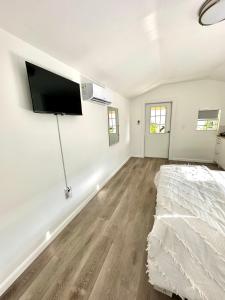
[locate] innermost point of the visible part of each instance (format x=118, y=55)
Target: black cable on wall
x=61, y=150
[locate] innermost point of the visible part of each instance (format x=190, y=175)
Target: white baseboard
x=28, y=261
x=183, y=159
x=192, y=160
x=138, y=156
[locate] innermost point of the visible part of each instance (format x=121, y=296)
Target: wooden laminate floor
x=101, y=254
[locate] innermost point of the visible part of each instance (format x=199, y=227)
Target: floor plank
x=101, y=253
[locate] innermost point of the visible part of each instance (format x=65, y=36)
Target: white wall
x=188, y=97
x=31, y=175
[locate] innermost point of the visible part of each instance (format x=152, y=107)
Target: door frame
x=171, y=114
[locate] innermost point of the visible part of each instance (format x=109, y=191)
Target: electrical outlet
x=68, y=192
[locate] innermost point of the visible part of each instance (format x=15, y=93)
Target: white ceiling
x=129, y=45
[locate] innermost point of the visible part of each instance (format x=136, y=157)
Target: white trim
x=28, y=261
x=183, y=159
x=192, y=160
x=137, y=155
x=219, y=165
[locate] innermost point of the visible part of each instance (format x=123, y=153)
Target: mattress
x=186, y=247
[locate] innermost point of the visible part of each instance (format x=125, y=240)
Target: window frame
x=204, y=128
x=113, y=123
x=112, y=119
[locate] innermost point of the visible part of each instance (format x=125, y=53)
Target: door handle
x=168, y=131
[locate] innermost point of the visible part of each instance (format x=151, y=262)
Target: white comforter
x=186, y=247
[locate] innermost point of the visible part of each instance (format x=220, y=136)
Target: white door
x=157, y=129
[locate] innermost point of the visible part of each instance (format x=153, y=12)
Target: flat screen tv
x=52, y=93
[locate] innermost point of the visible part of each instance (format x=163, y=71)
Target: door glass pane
x=157, y=110
x=162, y=128
x=152, y=119
x=163, y=119
x=154, y=128
x=153, y=111
x=158, y=120
x=163, y=111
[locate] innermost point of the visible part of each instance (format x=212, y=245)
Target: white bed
x=186, y=247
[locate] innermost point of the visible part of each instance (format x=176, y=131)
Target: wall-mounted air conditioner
x=94, y=93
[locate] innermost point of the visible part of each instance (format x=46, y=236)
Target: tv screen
x=52, y=93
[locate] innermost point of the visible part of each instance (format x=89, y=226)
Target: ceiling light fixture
x=212, y=12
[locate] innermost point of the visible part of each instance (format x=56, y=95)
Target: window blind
x=208, y=114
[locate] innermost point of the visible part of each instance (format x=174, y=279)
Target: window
x=158, y=119
x=208, y=120
x=112, y=121
x=113, y=125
